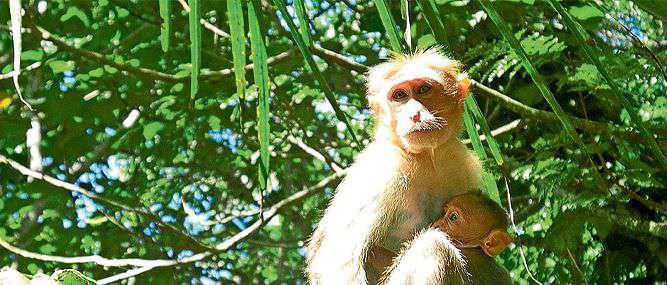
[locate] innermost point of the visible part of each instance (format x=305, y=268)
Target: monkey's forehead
x=428, y=64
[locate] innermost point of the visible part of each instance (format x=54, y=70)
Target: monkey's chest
x=418, y=211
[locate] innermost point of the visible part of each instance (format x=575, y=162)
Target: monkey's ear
x=495, y=242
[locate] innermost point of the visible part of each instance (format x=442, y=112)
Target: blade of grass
x=238, y=39
x=305, y=51
x=389, y=25
x=540, y=84
x=303, y=21
x=473, y=108
x=195, y=46
x=165, y=28
x=490, y=186
x=594, y=55
x=261, y=75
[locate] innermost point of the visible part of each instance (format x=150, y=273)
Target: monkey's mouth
x=428, y=125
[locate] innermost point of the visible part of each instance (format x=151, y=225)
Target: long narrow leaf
x=303, y=21
x=389, y=25
x=472, y=107
x=261, y=76
x=539, y=82
x=165, y=28
x=305, y=51
x=490, y=186
x=195, y=46
x=594, y=55
x=237, y=33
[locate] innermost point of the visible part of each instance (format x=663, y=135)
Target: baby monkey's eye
x=399, y=95
x=425, y=88
x=453, y=217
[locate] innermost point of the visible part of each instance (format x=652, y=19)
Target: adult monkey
x=397, y=185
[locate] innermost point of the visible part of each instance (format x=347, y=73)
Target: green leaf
x=195, y=46
x=34, y=55
x=585, y=12
x=59, y=66
x=73, y=11
x=490, y=187
x=237, y=33
x=328, y=92
x=165, y=28
x=303, y=21
x=151, y=129
x=261, y=76
x=389, y=25
x=594, y=55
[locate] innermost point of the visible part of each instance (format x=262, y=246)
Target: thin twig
x=309, y=150
x=516, y=230
x=500, y=130
x=205, y=23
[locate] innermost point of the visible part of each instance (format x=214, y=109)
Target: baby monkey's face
x=470, y=221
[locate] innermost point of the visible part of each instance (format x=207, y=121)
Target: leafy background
x=170, y=159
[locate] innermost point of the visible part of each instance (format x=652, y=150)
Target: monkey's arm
x=430, y=258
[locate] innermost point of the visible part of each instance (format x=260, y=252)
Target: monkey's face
x=418, y=99
x=425, y=112
x=464, y=225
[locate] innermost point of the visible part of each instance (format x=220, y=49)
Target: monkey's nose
x=416, y=117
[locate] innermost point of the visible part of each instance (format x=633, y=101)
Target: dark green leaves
x=195, y=46
x=537, y=78
x=261, y=75
x=594, y=56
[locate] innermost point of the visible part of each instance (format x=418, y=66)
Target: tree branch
x=73, y=188
x=145, y=72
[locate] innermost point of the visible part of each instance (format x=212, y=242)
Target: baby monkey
x=472, y=220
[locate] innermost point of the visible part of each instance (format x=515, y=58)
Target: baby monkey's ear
x=464, y=84
x=495, y=242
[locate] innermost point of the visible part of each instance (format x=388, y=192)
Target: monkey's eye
x=399, y=95
x=453, y=217
x=425, y=88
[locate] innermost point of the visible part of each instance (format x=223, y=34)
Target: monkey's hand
x=430, y=258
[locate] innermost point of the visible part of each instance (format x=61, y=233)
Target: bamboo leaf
x=389, y=25
x=261, y=76
x=305, y=51
x=594, y=55
x=165, y=28
x=472, y=107
x=490, y=186
x=238, y=39
x=303, y=21
x=539, y=82
x=195, y=45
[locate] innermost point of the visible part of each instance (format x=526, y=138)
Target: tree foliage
x=199, y=141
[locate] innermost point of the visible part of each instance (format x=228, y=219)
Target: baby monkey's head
x=474, y=220
x=417, y=99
